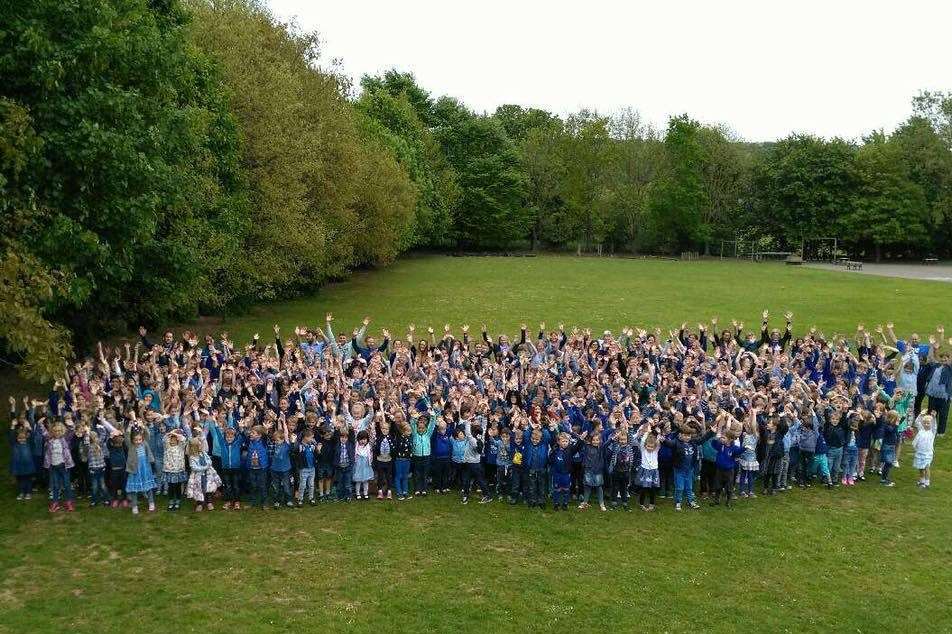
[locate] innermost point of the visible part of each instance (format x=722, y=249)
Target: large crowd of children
x=567, y=418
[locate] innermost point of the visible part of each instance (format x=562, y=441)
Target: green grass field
x=867, y=559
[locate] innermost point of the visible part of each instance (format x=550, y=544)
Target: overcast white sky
x=765, y=68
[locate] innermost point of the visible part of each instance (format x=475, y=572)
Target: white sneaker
x=677, y=507
x=895, y=464
x=20, y=496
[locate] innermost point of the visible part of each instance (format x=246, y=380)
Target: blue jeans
x=516, y=477
x=421, y=471
x=684, y=484
x=747, y=478
x=259, y=492
x=306, y=484
x=281, y=485
x=850, y=461
x=835, y=457
x=401, y=480
x=535, y=487
x=345, y=481
x=97, y=485
x=60, y=484
x=24, y=484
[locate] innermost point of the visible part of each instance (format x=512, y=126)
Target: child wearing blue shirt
x=560, y=465
x=441, y=452
x=281, y=467
x=535, y=459
x=727, y=450
x=305, y=450
x=257, y=462
x=21, y=461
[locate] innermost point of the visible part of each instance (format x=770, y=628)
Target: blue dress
x=363, y=468
x=143, y=479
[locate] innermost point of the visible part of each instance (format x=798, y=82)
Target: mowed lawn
x=867, y=559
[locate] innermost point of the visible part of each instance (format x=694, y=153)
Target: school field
x=867, y=559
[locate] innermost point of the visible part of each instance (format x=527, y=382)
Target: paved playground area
x=941, y=272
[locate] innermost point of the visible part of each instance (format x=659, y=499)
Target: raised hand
x=766, y=314
x=366, y=321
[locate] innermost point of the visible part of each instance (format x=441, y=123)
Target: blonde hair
x=194, y=446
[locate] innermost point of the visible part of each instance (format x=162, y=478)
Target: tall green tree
x=403, y=109
x=518, y=122
x=586, y=155
x=678, y=198
x=543, y=170
x=928, y=160
x=637, y=157
x=725, y=174
x=489, y=213
x=890, y=209
x=305, y=154
x=28, y=288
x=137, y=164
x=805, y=186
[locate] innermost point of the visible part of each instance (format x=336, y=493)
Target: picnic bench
x=854, y=265
x=928, y=261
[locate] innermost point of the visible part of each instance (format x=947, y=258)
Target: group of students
x=568, y=416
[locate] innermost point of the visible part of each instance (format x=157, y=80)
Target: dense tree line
x=159, y=158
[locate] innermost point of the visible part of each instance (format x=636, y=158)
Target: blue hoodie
x=725, y=453
x=536, y=457
x=230, y=452
x=281, y=458
x=459, y=449
x=442, y=444
x=259, y=449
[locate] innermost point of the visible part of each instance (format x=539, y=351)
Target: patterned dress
x=174, y=460
x=204, y=478
x=748, y=459
x=142, y=480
